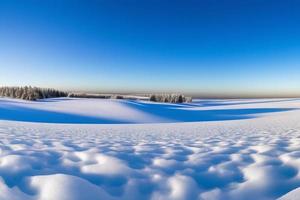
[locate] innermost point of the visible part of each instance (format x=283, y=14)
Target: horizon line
x=203, y=95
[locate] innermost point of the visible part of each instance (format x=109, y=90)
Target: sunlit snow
x=70, y=149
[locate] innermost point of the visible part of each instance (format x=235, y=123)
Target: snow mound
x=65, y=187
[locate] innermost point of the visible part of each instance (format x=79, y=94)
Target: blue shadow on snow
x=169, y=112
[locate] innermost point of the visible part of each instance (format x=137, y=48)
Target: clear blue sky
x=230, y=47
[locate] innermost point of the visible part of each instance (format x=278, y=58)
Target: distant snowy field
x=86, y=149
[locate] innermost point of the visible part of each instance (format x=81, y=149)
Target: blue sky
x=211, y=47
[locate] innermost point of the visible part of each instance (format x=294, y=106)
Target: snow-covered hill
x=116, y=149
x=107, y=111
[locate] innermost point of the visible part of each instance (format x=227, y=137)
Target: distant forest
x=30, y=93
x=170, y=98
x=35, y=93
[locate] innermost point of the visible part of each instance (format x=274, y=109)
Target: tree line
x=35, y=93
x=101, y=96
x=31, y=93
x=170, y=98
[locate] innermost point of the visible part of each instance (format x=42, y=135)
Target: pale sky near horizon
x=211, y=47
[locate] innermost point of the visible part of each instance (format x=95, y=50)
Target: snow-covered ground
x=87, y=149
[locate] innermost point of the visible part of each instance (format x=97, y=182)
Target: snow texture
x=118, y=149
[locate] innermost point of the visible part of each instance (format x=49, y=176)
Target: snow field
x=255, y=158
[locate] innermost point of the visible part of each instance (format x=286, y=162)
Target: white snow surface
x=133, y=150
x=293, y=195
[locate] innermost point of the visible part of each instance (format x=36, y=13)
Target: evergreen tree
x=30, y=93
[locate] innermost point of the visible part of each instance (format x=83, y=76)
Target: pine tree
x=30, y=93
